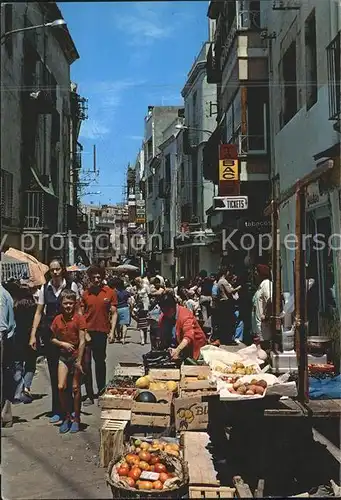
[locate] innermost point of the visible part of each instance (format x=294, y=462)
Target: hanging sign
x=228, y=170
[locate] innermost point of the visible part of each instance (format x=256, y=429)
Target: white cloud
x=144, y=26
x=93, y=129
x=104, y=98
x=135, y=137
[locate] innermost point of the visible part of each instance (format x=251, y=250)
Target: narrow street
x=41, y=463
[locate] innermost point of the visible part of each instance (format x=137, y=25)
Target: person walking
x=99, y=305
x=141, y=309
x=226, y=306
x=7, y=332
x=48, y=307
x=261, y=306
x=123, y=308
x=205, y=300
x=25, y=357
x=68, y=335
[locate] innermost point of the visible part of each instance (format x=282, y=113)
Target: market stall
x=207, y=417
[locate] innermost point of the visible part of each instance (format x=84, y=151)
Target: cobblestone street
x=39, y=462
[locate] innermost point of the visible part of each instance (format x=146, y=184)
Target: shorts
x=69, y=360
x=123, y=316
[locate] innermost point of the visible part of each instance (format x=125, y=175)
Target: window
x=168, y=171
x=256, y=121
x=150, y=185
x=9, y=27
x=6, y=195
x=289, y=84
x=150, y=227
x=311, y=60
x=182, y=175
x=194, y=184
x=333, y=60
x=150, y=149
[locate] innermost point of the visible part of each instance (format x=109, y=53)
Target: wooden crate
x=211, y=492
x=200, y=464
x=151, y=414
x=111, y=439
x=167, y=374
x=186, y=384
x=194, y=371
x=191, y=413
x=115, y=414
x=110, y=402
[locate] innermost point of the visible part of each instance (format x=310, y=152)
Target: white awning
x=48, y=190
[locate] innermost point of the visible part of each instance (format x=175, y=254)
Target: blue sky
x=132, y=55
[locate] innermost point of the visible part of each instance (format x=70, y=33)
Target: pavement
x=38, y=462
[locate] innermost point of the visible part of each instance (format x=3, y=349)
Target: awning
x=303, y=182
x=211, y=155
x=48, y=190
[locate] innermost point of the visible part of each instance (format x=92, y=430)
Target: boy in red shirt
x=68, y=333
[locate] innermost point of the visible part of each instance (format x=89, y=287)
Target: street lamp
x=180, y=126
x=52, y=24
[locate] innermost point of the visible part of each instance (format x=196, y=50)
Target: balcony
x=213, y=66
x=40, y=212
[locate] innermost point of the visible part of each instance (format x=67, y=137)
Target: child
x=68, y=334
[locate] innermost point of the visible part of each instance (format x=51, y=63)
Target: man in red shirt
x=99, y=305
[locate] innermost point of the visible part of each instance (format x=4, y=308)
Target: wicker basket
x=120, y=489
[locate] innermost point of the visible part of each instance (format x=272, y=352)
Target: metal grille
x=34, y=203
x=333, y=60
x=6, y=195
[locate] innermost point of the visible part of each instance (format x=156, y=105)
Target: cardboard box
x=191, y=413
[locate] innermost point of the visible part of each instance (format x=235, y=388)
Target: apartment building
x=157, y=120
x=35, y=127
x=195, y=192
x=107, y=233
x=304, y=56
x=237, y=61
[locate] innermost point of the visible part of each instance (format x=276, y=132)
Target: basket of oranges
x=146, y=474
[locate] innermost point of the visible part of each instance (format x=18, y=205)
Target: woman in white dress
x=261, y=306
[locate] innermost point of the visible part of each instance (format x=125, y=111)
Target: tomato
x=130, y=481
x=145, y=456
x=163, y=477
x=157, y=485
x=143, y=465
x=135, y=473
x=160, y=467
x=131, y=458
x=123, y=471
x=145, y=485
x=154, y=460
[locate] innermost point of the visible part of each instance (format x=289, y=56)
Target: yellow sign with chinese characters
x=228, y=170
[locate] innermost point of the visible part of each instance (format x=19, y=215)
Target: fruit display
x=120, y=382
x=238, y=369
x=255, y=387
x=147, y=382
x=121, y=392
x=148, y=466
x=156, y=445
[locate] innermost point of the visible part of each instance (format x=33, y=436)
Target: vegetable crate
x=195, y=381
x=111, y=440
x=119, y=400
x=152, y=414
x=210, y=492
